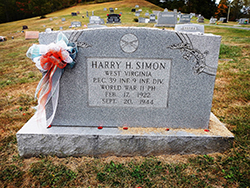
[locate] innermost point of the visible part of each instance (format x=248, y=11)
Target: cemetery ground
x=231, y=104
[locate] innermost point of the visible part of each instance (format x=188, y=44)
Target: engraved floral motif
x=188, y=52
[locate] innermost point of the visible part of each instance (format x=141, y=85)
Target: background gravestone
x=152, y=18
x=244, y=21
x=213, y=20
x=190, y=28
x=185, y=18
x=200, y=19
x=166, y=19
x=76, y=24
x=122, y=80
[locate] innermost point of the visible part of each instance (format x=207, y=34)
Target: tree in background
x=222, y=9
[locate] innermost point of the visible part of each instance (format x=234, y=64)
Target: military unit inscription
x=128, y=82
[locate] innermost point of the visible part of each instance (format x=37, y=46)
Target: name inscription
x=120, y=82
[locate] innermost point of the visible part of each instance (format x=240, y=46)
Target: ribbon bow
x=51, y=60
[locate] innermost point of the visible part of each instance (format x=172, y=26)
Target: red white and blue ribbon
x=51, y=60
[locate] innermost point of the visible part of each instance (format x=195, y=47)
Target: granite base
x=34, y=140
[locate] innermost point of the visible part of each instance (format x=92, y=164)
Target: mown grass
x=18, y=80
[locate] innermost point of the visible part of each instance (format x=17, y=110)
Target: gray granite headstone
x=167, y=79
x=146, y=14
x=63, y=19
x=104, y=9
x=213, y=20
x=141, y=20
x=95, y=20
x=76, y=24
x=166, y=19
x=137, y=13
x=200, y=19
x=185, y=18
x=152, y=18
x=222, y=19
x=136, y=6
x=244, y=21
x=144, y=79
x=190, y=28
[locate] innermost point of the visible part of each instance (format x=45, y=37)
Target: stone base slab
x=34, y=140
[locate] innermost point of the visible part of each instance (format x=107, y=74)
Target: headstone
x=244, y=21
x=87, y=14
x=47, y=30
x=116, y=8
x=122, y=81
x=73, y=14
x=165, y=10
x=113, y=18
x=140, y=10
x=96, y=20
x=141, y=20
x=137, y=13
x=92, y=13
x=61, y=28
x=63, y=19
x=213, y=20
x=111, y=10
x=25, y=27
x=146, y=14
x=190, y=28
x=76, y=24
x=105, y=9
x=78, y=12
x=136, y=6
x=152, y=18
x=31, y=35
x=133, y=10
x=51, y=19
x=222, y=19
x=200, y=19
x=175, y=10
x=185, y=18
x=166, y=19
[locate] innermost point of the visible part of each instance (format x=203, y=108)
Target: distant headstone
x=87, y=14
x=63, y=19
x=146, y=14
x=200, y=19
x=152, y=18
x=133, y=10
x=190, y=28
x=51, y=19
x=213, y=20
x=137, y=13
x=185, y=18
x=140, y=10
x=166, y=19
x=92, y=13
x=175, y=10
x=105, y=9
x=136, y=6
x=222, y=19
x=78, y=12
x=120, y=12
x=244, y=21
x=73, y=14
x=123, y=93
x=113, y=18
x=25, y=27
x=47, y=30
x=165, y=10
x=95, y=20
x=76, y=24
x=61, y=28
x=141, y=20
x=31, y=35
x=111, y=10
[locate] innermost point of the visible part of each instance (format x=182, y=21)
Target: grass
x=19, y=78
